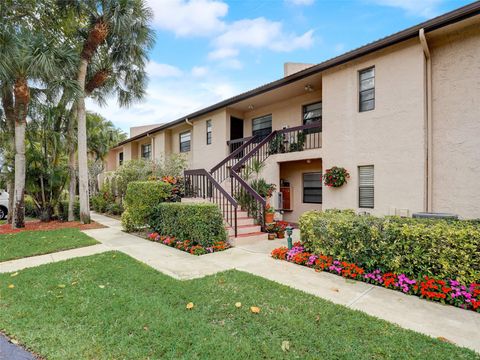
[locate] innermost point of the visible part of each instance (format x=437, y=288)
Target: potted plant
x=271, y=229
x=336, y=176
x=269, y=214
x=280, y=229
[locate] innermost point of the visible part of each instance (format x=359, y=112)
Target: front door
x=236, y=132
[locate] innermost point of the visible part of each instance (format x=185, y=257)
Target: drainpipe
x=429, y=121
x=188, y=122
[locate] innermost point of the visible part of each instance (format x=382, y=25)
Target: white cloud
x=168, y=100
x=222, y=53
x=189, y=17
x=300, y=2
x=199, y=71
x=155, y=69
x=425, y=8
x=258, y=33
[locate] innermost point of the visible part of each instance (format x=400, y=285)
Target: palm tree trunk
x=82, y=146
x=11, y=191
x=22, y=99
x=72, y=164
x=20, y=169
x=8, y=107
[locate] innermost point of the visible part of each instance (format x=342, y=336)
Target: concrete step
x=244, y=229
x=248, y=238
x=245, y=221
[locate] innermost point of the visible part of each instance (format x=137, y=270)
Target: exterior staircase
x=226, y=182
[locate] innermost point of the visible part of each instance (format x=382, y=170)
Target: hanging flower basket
x=336, y=176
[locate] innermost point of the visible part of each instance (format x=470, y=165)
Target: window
x=146, y=151
x=312, y=114
x=366, y=189
x=209, y=132
x=185, y=141
x=262, y=126
x=366, y=89
x=312, y=188
x=120, y=158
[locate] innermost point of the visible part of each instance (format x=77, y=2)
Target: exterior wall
x=391, y=137
x=287, y=113
x=144, y=141
x=456, y=122
x=293, y=172
x=206, y=156
x=136, y=130
x=290, y=68
x=175, y=142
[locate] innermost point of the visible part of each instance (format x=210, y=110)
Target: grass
x=109, y=306
x=30, y=243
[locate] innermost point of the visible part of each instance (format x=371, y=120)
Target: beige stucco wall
x=293, y=172
x=287, y=113
x=390, y=137
x=456, y=122
x=175, y=142
x=206, y=156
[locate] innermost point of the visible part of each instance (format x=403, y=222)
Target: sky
x=209, y=50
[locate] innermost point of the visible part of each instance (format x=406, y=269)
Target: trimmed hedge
x=140, y=200
x=415, y=247
x=200, y=223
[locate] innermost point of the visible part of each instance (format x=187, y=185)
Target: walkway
x=433, y=319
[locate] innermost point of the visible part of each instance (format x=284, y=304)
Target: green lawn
x=29, y=243
x=110, y=306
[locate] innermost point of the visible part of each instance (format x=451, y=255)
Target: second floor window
x=312, y=114
x=209, y=132
x=366, y=89
x=262, y=126
x=312, y=188
x=185, y=141
x=120, y=158
x=146, y=151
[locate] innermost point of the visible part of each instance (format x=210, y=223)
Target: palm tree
x=28, y=57
x=118, y=36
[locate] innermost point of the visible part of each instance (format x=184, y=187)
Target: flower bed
x=445, y=291
x=189, y=246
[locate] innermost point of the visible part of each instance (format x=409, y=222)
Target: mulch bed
x=37, y=225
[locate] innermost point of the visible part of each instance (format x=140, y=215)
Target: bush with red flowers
x=335, y=176
x=189, y=246
x=446, y=291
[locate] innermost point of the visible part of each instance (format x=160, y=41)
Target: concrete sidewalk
x=453, y=324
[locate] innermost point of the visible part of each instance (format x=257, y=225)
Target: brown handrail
x=201, y=179
x=248, y=141
x=204, y=172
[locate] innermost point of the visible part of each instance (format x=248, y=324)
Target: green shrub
x=140, y=200
x=99, y=203
x=63, y=210
x=446, y=249
x=200, y=223
x=30, y=207
x=114, y=209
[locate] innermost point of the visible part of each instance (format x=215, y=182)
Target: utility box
x=432, y=215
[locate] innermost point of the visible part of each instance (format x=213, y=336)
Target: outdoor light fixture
x=250, y=107
x=308, y=88
x=289, y=230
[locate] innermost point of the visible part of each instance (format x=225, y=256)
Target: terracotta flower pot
x=281, y=234
x=269, y=218
x=271, y=236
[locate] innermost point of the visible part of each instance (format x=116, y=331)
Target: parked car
x=3, y=204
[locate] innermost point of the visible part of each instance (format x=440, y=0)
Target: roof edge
x=446, y=19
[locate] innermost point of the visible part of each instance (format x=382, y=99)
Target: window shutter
x=366, y=186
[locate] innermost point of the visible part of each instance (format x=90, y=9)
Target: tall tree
x=118, y=33
x=32, y=58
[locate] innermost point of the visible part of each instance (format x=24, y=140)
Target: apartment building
x=401, y=114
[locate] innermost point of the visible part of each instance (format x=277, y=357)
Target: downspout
x=429, y=121
x=188, y=122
